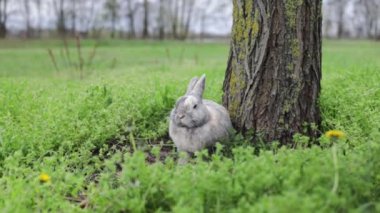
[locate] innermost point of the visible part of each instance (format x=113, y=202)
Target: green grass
x=80, y=132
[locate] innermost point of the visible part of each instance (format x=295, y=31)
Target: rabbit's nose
x=180, y=116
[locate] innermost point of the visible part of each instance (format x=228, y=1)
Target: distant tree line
x=162, y=19
x=351, y=19
x=115, y=18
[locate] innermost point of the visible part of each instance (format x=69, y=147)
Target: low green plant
x=98, y=140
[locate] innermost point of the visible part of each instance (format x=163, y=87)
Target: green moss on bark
x=237, y=84
x=291, y=8
x=295, y=47
x=246, y=22
x=255, y=24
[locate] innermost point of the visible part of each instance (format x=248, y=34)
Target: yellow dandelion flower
x=44, y=178
x=334, y=134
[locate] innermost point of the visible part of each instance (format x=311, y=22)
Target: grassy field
x=80, y=126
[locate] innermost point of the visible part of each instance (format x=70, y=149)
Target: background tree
x=370, y=10
x=180, y=16
x=173, y=14
x=38, y=4
x=272, y=81
x=27, y=17
x=73, y=17
x=174, y=19
x=161, y=20
x=328, y=19
x=207, y=13
x=60, y=11
x=145, y=33
x=340, y=8
x=3, y=17
x=131, y=8
x=187, y=17
x=112, y=14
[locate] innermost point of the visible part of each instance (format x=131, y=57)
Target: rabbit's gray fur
x=193, y=129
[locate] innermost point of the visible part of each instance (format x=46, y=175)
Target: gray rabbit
x=196, y=123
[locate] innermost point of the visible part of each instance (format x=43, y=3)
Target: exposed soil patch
x=123, y=144
x=165, y=151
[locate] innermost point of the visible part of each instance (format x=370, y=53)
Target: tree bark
x=39, y=17
x=130, y=15
x=3, y=18
x=3, y=30
x=145, y=33
x=74, y=18
x=272, y=81
x=27, y=15
x=161, y=20
x=340, y=30
x=131, y=23
x=174, y=19
x=188, y=19
x=61, y=17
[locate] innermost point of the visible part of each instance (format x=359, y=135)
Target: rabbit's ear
x=199, y=87
x=191, y=85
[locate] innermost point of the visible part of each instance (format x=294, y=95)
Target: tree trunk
x=272, y=81
x=61, y=24
x=73, y=18
x=146, y=21
x=174, y=19
x=188, y=19
x=113, y=26
x=340, y=30
x=161, y=24
x=39, y=17
x=61, y=17
x=203, y=25
x=340, y=7
x=3, y=18
x=3, y=30
x=29, y=29
x=131, y=22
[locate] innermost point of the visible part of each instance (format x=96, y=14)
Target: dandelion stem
x=335, y=160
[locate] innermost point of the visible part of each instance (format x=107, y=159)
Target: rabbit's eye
x=195, y=106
